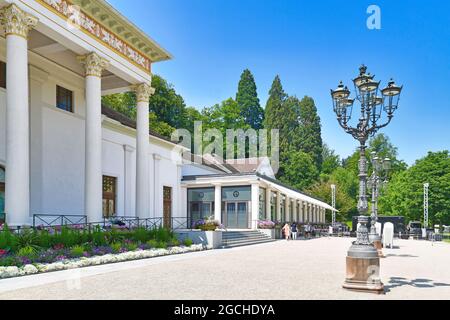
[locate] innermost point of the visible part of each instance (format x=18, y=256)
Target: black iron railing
x=47, y=220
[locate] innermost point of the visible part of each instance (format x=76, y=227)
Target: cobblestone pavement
x=312, y=269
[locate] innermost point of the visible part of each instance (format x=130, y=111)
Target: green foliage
x=124, y=103
x=116, y=246
x=299, y=170
x=131, y=246
x=164, y=234
x=141, y=235
x=27, y=238
x=404, y=194
x=152, y=243
x=248, y=102
x=7, y=240
x=27, y=252
x=307, y=135
x=161, y=245
x=175, y=242
x=77, y=251
x=98, y=237
x=330, y=160
x=188, y=242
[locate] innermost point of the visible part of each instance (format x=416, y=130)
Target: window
x=200, y=203
x=2, y=74
x=109, y=196
x=262, y=203
x=167, y=207
x=64, y=99
x=2, y=194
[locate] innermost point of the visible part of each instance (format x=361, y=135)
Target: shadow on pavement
x=401, y=255
x=395, y=282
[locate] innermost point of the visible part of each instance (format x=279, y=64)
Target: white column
x=278, y=206
x=218, y=202
x=17, y=24
x=143, y=93
x=268, y=206
x=93, y=191
x=255, y=206
x=294, y=210
x=287, y=209
x=157, y=188
x=128, y=150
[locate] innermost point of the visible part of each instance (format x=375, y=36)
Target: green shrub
x=27, y=238
x=131, y=246
x=98, y=236
x=175, y=242
x=140, y=235
x=77, y=251
x=116, y=246
x=27, y=252
x=10, y=262
x=161, y=245
x=188, y=242
x=163, y=234
x=44, y=239
x=7, y=239
x=114, y=236
x=152, y=243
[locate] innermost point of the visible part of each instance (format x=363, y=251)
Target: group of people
x=290, y=232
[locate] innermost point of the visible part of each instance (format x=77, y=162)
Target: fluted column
x=94, y=65
x=278, y=206
x=218, y=202
x=17, y=25
x=143, y=94
x=294, y=210
x=287, y=209
x=268, y=204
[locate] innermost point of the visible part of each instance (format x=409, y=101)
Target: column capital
x=17, y=22
x=94, y=64
x=143, y=92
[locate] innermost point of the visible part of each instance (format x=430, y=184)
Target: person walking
x=294, y=230
x=286, y=231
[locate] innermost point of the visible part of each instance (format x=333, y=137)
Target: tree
x=384, y=148
x=330, y=160
x=274, y=106
x=308, y=138
x=167, y=105
x=248, y=102
x=124, y=103
x=404, y=193
x=299, y=170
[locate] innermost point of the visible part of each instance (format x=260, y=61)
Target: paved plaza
x=312, y=269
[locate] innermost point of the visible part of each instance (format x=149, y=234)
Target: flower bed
x=206, y=224
x=37, y=250
x=266, y=224
x=66, y=264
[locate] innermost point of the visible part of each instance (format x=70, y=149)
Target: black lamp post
x=378, y=180
x=362, y=254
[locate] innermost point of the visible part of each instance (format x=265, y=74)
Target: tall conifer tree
x=248, y=102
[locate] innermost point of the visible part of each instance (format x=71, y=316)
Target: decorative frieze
x=16, y=21
x=143, y=92
x=76, y=17
x=94, y=64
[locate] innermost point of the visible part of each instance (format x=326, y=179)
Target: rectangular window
x=2, y=75
x=109, y=196
x=262, y=203
x=167, y=207
x=64, y=99
x=200, y=204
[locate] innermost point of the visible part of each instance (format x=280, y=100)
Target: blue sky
x=311, y=45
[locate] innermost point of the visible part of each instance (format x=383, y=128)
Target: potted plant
x=207, y=224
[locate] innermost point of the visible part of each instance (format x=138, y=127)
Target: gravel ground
x=312, y=269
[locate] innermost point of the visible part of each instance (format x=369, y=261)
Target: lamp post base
x=379, y=246
x=363, y=267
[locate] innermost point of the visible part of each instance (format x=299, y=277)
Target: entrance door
x=236, y=215
x=167, y=207
x=2, y=195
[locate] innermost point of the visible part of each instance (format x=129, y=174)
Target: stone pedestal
x=363, y=267
x=379, y=246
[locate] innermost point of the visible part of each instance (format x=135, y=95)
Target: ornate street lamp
x=362, y=255
x=377, y=180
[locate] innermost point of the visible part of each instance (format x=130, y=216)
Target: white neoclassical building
x=62, y=153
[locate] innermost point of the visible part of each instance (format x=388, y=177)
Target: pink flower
x=3, y=252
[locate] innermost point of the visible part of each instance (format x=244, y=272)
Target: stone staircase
x=231, y=239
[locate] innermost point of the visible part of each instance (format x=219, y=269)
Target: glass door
x=236, y=215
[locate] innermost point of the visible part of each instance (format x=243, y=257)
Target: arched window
x=2, y=191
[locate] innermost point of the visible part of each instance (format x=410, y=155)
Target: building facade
x=63, y=153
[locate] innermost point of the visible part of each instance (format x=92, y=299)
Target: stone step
x=245, y=243
x=232, y=239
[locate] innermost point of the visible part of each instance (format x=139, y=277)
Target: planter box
x=269, y=232
x=211, y=239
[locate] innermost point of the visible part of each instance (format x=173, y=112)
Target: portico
x=92, y=53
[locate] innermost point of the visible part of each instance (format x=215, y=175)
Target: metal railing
x=47, y=220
